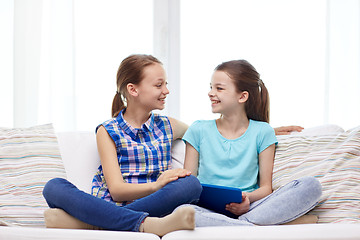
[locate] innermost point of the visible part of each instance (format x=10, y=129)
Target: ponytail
x=117, y=105
x=264, y=106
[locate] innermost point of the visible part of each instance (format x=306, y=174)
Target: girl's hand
x=239, y=208
x=169, y=176
x=287, y=130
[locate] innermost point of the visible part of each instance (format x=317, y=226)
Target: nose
x=166, y=90
x=211, y=93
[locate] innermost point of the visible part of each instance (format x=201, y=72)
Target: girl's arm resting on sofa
x=119, y=190
x=179, y=128
x=287, y=130
x=191, y=161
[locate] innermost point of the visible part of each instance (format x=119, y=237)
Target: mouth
x=214, y=101
x=162, y=100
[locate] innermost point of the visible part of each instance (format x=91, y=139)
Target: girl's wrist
x=154, y=186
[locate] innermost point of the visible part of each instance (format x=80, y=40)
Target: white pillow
x=29, y=158
x=80, y=156
x=178, y=154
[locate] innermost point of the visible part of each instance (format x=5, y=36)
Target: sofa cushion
x=177, y=154
x=80, y=156
x=29, y=157
x=29, y=233
x=279, y=232
x=333, y=157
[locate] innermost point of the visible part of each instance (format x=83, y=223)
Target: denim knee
x=194, y=185
x=312, y=186
x=52, y=187
x=190, y=185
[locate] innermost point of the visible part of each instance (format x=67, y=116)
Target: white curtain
x=66, y=54
x=343, y=65
x=59, y=59
x=6, y=62
x=44, y=63
x=307, y=52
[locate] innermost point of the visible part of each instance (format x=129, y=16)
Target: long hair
x=246, y=78
x=130, y=70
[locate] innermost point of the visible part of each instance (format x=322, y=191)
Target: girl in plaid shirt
x=134, y=189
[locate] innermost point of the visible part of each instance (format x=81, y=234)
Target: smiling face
x=152, y=89
x=223, y=95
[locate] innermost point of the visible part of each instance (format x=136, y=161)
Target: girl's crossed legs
x=283, y=205
x=93, y=211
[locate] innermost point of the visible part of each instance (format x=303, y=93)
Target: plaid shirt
x=143, y=153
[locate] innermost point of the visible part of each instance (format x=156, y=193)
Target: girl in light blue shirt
x=238, y=150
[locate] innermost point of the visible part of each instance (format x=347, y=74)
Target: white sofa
x=314, y=152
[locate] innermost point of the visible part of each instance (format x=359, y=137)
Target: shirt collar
x=148, y=126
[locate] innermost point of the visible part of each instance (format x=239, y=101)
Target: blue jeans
x=283, y=205
x=60, y=193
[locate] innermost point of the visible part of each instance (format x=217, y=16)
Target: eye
x=219, y=88
x=160, y=84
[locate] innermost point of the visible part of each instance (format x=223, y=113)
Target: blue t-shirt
x=229, y=162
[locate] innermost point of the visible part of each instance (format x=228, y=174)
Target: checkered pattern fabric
x=143, y=153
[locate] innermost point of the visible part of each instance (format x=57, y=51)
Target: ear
x=244, y=96
x=132, y=90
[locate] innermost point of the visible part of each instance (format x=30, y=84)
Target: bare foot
x=305, y=219
x=58, y=218
x=181, y=219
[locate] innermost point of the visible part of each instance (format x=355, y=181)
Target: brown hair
x=130, y=71
x=246, y=78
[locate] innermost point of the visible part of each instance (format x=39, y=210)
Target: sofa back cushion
x=333, y=157
x=80, y=156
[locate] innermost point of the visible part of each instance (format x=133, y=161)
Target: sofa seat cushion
x=12, y=233
x=278, y=232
